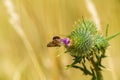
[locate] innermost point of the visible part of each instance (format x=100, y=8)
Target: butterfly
x=56, y=42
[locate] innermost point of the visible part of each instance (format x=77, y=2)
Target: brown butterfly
x=55, y=42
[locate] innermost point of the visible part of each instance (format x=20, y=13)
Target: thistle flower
x=85, y=43
x=66, y=42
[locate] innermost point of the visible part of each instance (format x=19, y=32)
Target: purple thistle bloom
x=65, y=41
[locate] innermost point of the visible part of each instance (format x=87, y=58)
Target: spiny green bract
x=86, y=40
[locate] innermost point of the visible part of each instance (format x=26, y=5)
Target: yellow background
x=26, y=57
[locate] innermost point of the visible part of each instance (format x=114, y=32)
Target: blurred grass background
x=26, y=57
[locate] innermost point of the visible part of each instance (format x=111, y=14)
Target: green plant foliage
x=85, y=44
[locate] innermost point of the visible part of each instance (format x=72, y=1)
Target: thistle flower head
x=84, y=38
x=66, y=41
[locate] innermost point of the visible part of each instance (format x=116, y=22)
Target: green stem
x=98, y=75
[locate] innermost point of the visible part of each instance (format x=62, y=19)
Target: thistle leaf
x=106, y=34
x=111, y=37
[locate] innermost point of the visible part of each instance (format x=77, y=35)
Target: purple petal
x=66, y=41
